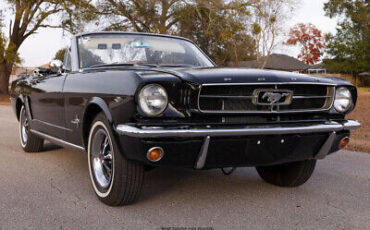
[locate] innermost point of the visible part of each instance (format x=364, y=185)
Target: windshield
x=126, y=49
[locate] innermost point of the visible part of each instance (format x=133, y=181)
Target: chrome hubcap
x=102, y=158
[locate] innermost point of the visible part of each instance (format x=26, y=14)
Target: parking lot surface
x=51, y=190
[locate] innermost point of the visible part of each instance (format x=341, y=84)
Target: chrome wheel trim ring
x=91, y=159
x=101, y=158
x=23, y=127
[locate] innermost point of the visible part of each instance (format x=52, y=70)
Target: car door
x=74, y=103
x=47, y=104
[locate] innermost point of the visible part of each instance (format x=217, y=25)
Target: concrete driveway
x=51, y=190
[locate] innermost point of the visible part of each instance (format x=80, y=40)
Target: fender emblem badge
x=76, y=121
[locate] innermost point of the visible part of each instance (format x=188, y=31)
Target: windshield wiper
x=113, y=64
x=149, y=65
x=134, y=64
x=125, y=64
x=175, y=65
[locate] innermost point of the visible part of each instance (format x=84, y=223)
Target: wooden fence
x=360, y=81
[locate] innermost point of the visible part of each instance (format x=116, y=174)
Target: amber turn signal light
x=344, y=142
x=155, y=154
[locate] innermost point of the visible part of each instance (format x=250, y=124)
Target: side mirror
x=56, y=66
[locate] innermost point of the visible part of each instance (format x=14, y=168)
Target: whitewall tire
x=29, y=141
x=115, y=180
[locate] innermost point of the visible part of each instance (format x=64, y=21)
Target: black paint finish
x=62, y=105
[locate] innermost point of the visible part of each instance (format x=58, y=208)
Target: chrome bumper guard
x=331, y=127
x=160, y=132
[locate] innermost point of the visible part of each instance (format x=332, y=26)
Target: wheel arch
x=95, y=106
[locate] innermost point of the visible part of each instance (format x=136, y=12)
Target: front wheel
x=289, y=174
x=29, y=141
x=116, y=181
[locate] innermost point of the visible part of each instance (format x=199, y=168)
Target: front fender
x=97, y=101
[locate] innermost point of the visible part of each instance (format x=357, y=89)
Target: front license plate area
x=262, y=150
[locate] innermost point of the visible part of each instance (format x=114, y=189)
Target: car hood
x=216, y=75
x=240, y=75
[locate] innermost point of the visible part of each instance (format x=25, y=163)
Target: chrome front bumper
x=332, y=128
x=160, y=132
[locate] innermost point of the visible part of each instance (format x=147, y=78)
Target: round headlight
x=153, y=99
x=343, y=99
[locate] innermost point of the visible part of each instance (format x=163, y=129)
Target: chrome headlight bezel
x=343, y=101
x=158, y=102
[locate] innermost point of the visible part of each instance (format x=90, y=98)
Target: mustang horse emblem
x=274, y=97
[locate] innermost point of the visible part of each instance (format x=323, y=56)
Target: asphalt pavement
x=51, y=190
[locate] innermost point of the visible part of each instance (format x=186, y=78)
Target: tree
x=7, y=55
x=157, y=16
x=216, y=27
x=349, y=49
x=59, y=55
x=311, y=39
x=268, y=18
x=28, y=17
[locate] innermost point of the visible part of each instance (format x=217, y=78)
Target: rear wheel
x=29, y=141
x=289, y=174
x=116, y=181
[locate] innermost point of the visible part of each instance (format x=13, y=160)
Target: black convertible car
x=132, y=101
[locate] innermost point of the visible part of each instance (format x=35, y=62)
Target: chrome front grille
x=242, y=98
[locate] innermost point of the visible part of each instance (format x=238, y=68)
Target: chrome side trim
x=157, y=132
x=272, y=83
x=52, y=125
x=199, y=164
x=58, y=141
x=325, y=148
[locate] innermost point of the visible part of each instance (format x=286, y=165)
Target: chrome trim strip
x=227, y=96
x=260, y=112
x=158, y=132
x=201, y=161
x=52, y=125
x=309, y=97
x=271, y=83
x=58, y=141
x=325, y=148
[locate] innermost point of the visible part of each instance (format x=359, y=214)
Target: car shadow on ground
x=164, y=180
x=50, y=147
x=163, y=183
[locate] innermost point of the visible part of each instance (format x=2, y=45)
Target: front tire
x=29, y=141
x=115, y=180
x=289, y=174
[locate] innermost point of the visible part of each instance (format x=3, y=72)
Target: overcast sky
x=40, y=48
